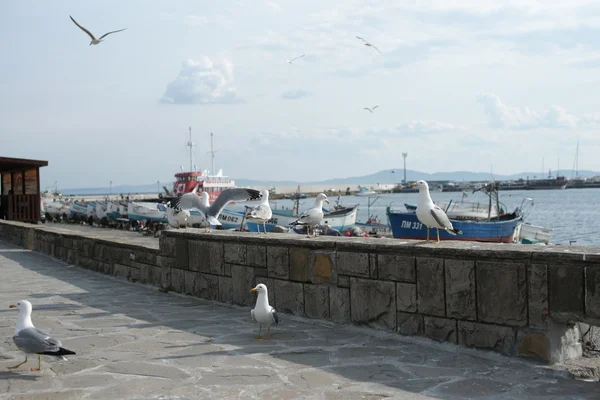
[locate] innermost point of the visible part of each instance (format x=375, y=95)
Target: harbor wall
x=515, y=299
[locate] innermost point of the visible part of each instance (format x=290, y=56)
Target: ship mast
x=191, y=145
x=212, y=155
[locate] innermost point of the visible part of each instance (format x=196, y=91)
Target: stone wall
x=515, y=299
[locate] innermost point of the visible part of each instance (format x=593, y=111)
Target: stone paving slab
x=135, y=342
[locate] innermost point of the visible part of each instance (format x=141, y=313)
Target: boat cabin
x=20, y=189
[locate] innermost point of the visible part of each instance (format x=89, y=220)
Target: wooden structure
x=20, y=189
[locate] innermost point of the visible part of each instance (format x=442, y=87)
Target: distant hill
x=386, y=176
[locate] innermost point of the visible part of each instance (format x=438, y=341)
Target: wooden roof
x=8, y=164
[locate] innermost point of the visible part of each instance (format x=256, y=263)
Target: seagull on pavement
x=262, y=312
x=294, y=59
x=369, y=44
x=431, y=215
x=94, y=40
x=371, y=109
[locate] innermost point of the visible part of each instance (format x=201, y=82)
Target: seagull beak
x=327, y=201
x=413, y=185
x=253, y=289
x=12, y=306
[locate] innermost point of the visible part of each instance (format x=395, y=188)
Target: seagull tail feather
x=454, y=231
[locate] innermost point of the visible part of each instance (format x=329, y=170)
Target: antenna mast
x=212, y=154
x=191, y=145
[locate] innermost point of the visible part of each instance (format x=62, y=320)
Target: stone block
x=256, y=256
x=501, y=293
x=206, y=286
x=226, y=269
x=85, y=247
x=343, y=281
x=225, y=289
x=166, y=277
x=71, y=257
x=565, y=292
x=460, y=289
x=144, y=257
x=537, y=281
x=101, y=252
x=406, y=297
x=278, y=263
x=178, y=280
x=339, y=305
x=353, y=264
x=322, y=267
x=242, y=279
x=167, y=246
x=316, y=301
x=373, y=303
x=119, y=255
x=182, y=250
x=124, y=271
x=206, y=257
x=189, y=281
x=409, y=324
x=289, y=297
x=166, y=262
x=430, y=286
x=484, y=336
x=373, y=269
x=261, y=272
x=396, y=268
x=533, y=344
x=234, y=253
x=87, y=263
x=440, y=329
x=150, y=274
x=299, y=264
x=105, y=268
x=592, y=292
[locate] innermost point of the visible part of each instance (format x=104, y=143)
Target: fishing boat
x=374, y=226
x=116, y=210
x=140, y=211
x=364, y=191
x=338, y=219
x=533, y=234
x=77, y=209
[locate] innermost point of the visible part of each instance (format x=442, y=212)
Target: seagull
x=313, y=215
x=31, y=340
x=94, y=40
x=177, y=217
x=294, y=59
x=191, y=200
x=431, y=215
x=371, y=109
x=369, y=44
x=262, y=212
x=263, y=313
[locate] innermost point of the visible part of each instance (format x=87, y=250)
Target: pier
x=359, y=317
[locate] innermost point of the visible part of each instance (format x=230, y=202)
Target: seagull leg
x=427, y=241
x=265, y=226
x=259, y=331
x=18, y=365
x=268, y=333
x=39, y=364
x=438, y=234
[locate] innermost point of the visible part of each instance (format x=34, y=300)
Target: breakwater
x=517, y=300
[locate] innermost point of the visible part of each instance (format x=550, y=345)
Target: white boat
x=101, y=210
x=91, y=210
x=364, y=191
x=116, y=210
x=336, y=219
x=77, y=209
x=56, y=207
x=528, y=233
x=140, y=211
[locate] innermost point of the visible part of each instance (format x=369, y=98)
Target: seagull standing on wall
x=431, y=215
x=262, y=212
x=94, y=40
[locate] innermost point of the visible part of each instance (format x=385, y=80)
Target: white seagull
x=262, y=212
x=262, y=312
x=369, y=44
x=31, y=340
x=94, y=40
x=191, y=200
x=313, y=215
x=294, y=59
x=177, y=217
x=431, y=215
x=371, y=109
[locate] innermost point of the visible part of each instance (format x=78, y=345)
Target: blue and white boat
x=405, y=225
x=140, y=211
x=337, y=219
x=77, y=209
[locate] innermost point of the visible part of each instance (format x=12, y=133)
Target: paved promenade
x=135, y=342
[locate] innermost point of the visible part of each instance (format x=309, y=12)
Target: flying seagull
x=94, y=40
x=369, y=44
x=31, y=340
x=294, y=59
x=211, y=211
x=371, y=109
x=431, y=215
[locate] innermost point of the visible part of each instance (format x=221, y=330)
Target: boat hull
x=338, y=220
x=405, y=225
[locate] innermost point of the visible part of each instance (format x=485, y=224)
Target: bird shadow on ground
x=313, y=353
x=16, y=375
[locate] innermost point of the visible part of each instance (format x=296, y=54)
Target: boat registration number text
x=411, y=225
x=228, y=218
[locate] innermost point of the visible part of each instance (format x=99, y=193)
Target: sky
x=474, y=85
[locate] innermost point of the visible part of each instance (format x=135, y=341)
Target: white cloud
x=504, y=116
x=426, y=127
x=294, y=94
x=195, y=20
x=202, y=82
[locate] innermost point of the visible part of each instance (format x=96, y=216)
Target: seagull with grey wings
x=371, y=109
x=94, y=40
x=369, y=44
x=191, y=200
x=294, y=59
x=311, y=217
x=261, y=213
x=31, y=340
